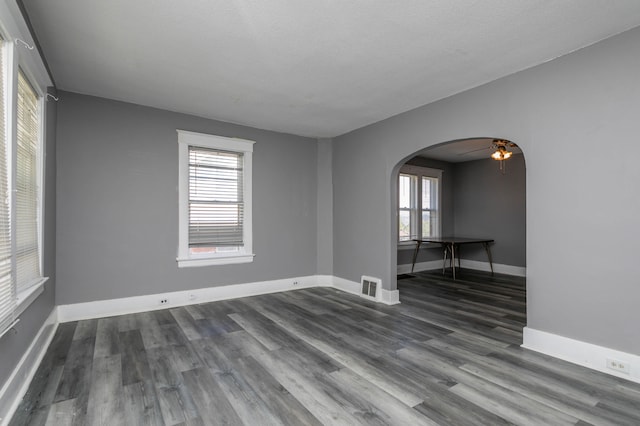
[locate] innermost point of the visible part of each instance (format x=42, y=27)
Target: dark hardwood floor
x=448, y=354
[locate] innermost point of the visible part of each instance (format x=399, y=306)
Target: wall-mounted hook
x=24, y=43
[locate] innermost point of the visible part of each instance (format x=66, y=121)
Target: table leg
x=488, y=250
x=444, y=261
x=453, y=258
x=415, y=254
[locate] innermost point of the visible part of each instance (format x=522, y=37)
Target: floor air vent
x=370, y=287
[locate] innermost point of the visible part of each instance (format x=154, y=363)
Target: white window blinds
x=216, y=205
x=27, y=252
x=7, y=289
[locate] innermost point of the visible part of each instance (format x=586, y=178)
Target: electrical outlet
x=619, y=366
x=295, y=283
x=164, y=301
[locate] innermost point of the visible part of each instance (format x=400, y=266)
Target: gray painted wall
x=582, y=226
x=14, y=345
x=489, y=204
x=117, y=226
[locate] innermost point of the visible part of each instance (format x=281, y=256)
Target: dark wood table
x=452, y=245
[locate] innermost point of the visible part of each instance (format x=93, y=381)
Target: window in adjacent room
x=214, y=200
x=407, y=202
x=418, y=203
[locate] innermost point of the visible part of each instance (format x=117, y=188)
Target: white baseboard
x=499, y=268
x=420, y=266
x=345, y=285
x=17, y=384
x=151, y=302
x=390, y=297
x=581, y=353
x=324, y=280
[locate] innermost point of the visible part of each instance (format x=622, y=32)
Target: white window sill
x=218, y=260
x=27, y=296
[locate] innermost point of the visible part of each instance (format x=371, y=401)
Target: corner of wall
x=324, y=236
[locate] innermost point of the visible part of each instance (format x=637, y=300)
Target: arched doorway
x=457, y=190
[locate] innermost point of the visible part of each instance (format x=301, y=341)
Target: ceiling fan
x=500, y=153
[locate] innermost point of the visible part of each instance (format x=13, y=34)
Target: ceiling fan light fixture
x=501, y=153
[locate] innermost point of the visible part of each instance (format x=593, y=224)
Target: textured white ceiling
x=313, y=68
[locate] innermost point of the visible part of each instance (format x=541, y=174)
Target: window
x=430, y=212
x=26, y=186
x=407, y=196
x=214, y=200
x=418, y=203
x=21, y=147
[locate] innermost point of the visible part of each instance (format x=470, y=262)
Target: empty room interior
x=270, y=213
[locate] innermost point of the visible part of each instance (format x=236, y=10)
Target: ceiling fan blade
x=474, y=150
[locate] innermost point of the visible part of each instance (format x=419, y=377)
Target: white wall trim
x=581, y=353
x=324, y=280
x=345, y=285
x=233, y=259
x=390, y=297
x=420, y=266
x=499, y=268
x=151, y=302
x=17, y=384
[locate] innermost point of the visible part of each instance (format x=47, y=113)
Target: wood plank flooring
x=448, y=354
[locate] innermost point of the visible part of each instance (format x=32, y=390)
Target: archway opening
x=461, y=224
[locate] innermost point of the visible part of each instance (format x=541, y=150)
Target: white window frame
x=22, y=55
x=411, y=209
x=24, y=288
x=26, y=294
x=416, y=203
x=245, y=253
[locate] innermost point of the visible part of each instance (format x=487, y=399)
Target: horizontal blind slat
x=216, y=207
x=26, y=231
